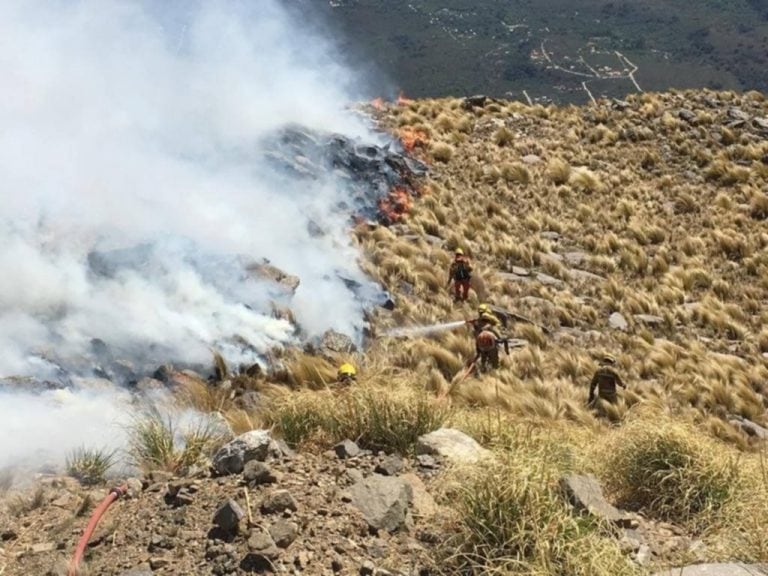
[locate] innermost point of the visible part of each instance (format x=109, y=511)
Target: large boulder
x=451, y=444
x=618, y=322
x=383, y=501
x=233, y=456
x=725, y=569
x=586, y=494
x=749, y=427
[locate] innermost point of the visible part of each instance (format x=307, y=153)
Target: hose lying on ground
x=113, y=495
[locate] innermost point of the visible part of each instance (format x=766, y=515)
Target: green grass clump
x=378, y=419
x=157, y=442
x=513, y=519
x=670, y=472
x=89, y=465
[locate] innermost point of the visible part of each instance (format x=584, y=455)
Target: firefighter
x=605, y=380
x=486, y=328
x=347, y=374
x=461, y=275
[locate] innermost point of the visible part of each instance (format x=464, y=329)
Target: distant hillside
x=548, y=48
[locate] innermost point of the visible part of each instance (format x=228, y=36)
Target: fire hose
x=113, y=495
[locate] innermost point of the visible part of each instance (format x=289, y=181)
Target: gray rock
x=278, y=501
x=520, y=271
x=451, y=444
x=233, y=456
x=477, y=101
x=687, y=115
x=531, y=159
x=737, y=114
x=575, y=258
x=548, y=280
x=618, y=322
x=134, y=488
x=346, y=449
x=643, y=555
x=761, y=123
x=725, y=569
x=390, y=466
x=228, y=516
x=427, y=461
x=138, y=572
x=261, y=543
x=367, y=568
x=550, y=235
x=333, y=343
x=586, y=494
x=649, y=319
x=509, y=277
x=584, y=276
x=256, y=473
x=284, y=533
x=749, y=427
x=383, y=501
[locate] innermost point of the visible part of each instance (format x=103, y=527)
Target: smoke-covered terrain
x=139, y=189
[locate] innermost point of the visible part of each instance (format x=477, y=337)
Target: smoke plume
x=133, y=186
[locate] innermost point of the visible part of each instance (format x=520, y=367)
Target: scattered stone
x=424, y=504
x=333, y=343
x=584, y=276
x=725, y=569
x=383, y=501
x=531, y=159
x=548, y=280
x=520, y=271
x=427, y=461
x=586, y=494
x=261, y=543
x=134, y=488
x=687, y=115
x=620, y=105
x=510, y=277
x=749, y=427
x=256, y=473
x=228, y=517
x=391, y=466
x=643, y=555
x=42, y=548
x=233, y=456
x=279, y=501
x=284, y=533
x=737, y=114
x=550, y=235
x=618, y=322
x=649, y=319
x=367, y=569
x=346, y=449
x=157, y=563
x=575, y=258
x=761, y=123
x=451, y=444
x=145, y=571
x=280, y=450
x=477, y=101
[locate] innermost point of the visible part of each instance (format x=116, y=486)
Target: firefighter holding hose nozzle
x=486, y=328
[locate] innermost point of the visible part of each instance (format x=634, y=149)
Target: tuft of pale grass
x=669, y=471
x=23, y=504
x=376, y=418
x=503, y=137
x=90, y=465
x=558, y=171
x=513, y=519
x=584, y=180
x=515, y=172
x=442, y=152
x=159, y=442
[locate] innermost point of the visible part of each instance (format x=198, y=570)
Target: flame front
x=396, y=204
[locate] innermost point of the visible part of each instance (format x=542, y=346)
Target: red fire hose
x=113, y=495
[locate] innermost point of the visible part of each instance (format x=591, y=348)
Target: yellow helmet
x=347, y=369
x=608, y=359
x=483, y=309
x=459, y=252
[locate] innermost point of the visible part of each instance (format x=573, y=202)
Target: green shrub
x=670, y=472
x=89, y=465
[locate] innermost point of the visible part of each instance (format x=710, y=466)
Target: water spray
x=425, y=330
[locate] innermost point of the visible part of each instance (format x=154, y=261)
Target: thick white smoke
x=135, y=127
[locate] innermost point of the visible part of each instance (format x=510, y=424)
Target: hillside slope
x=632, y=228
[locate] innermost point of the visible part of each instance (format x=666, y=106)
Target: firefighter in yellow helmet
x=461, y=275
x=346, y=374
x=486, y=328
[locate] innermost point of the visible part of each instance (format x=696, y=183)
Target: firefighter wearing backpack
x=461, y=274
x=486, y=328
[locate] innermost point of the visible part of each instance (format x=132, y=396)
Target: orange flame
x=378, y=103
x=396, y=204
x=412, y=138
x=402, y=100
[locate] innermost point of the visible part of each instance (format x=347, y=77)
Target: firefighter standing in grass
x=605, y=380
x=486, y=328
x=461, y=274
